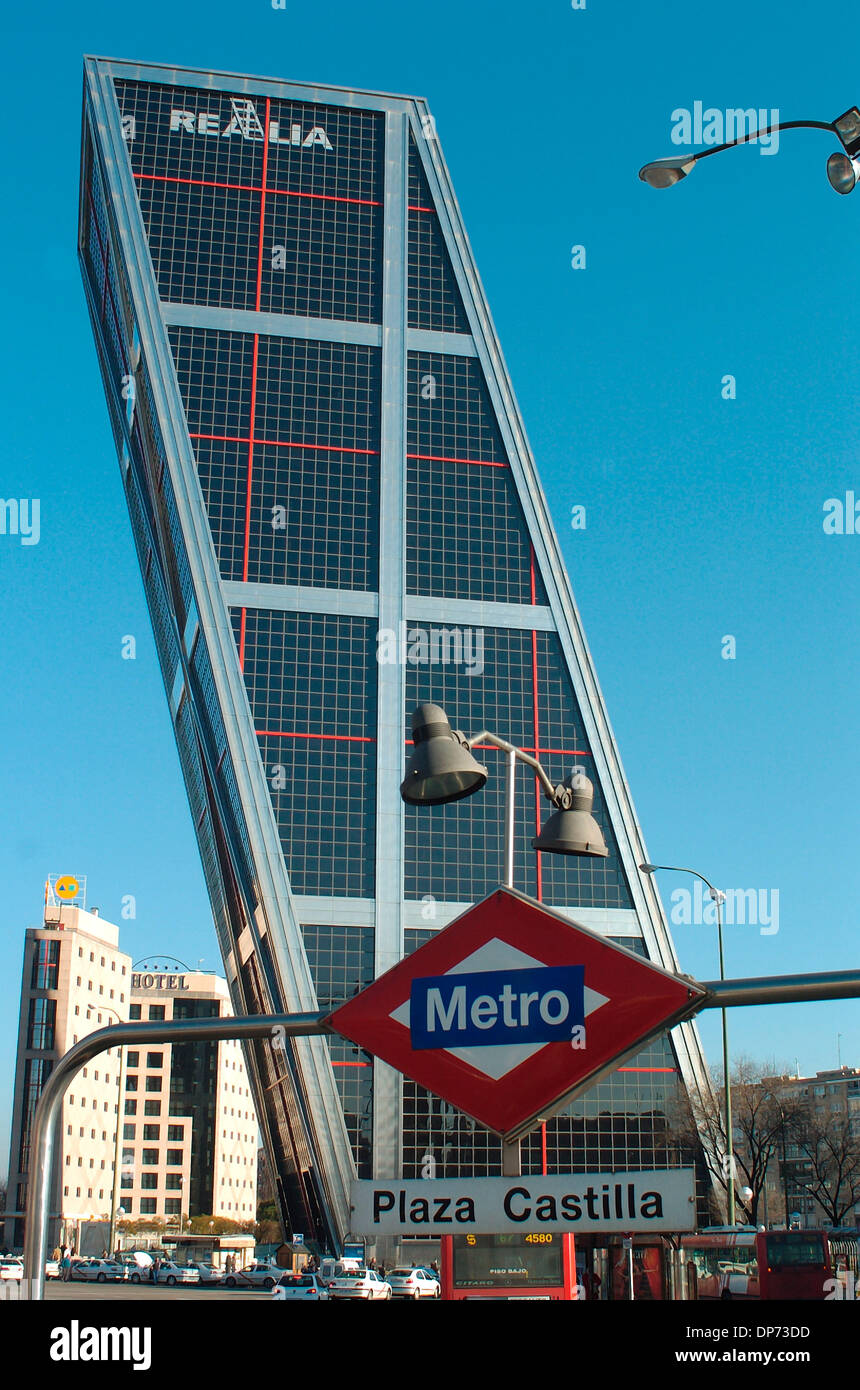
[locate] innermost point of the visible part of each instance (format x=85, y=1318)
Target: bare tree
x=759, y=1117
x=833, y=1154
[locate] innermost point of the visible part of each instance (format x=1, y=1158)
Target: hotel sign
x=159, y=981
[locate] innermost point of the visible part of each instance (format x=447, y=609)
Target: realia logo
x=494, y=1008
x=245, y=122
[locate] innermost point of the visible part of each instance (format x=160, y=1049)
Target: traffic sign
x=512, y=1010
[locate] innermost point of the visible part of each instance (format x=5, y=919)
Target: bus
x=729, y=1263
x=536, y=1265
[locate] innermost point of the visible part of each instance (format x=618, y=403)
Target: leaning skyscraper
x=337, y=518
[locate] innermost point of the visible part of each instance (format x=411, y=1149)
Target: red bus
x=729, y=1263
x=518, y=1265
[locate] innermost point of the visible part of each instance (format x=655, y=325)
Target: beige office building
x=179, y=1119
x=75, y=980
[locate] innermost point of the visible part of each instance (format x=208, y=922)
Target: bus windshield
x=786, y=1248
x=507, y=1261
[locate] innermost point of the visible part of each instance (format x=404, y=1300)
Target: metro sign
x=512, y=1010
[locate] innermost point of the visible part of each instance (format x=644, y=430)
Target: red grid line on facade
x=538, y=867
x=246, y=549
x=649, y=1069
x=414, y=207
x=280, y=443
x=350, y=1064
x=441, y=458
x=255, y=188
x=291, y=733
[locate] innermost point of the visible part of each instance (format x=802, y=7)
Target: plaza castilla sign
x=614, y=1202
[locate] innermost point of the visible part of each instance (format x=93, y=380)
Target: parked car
x=11, y=1267
x=169, y=1272
x=209, y=1274
x=52, y=1269
x=413, y=1282
x=262, y=1274
x=306, y=1287
x=359, y=1283
x=99, y=1271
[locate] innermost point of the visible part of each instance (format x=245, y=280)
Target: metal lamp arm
x=768, y=130
x=485, y=736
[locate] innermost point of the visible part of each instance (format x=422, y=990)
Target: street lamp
x=442, y=769
x=843, y=168
x=718, y=899
x=116, y=1144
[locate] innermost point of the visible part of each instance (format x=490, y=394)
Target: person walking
x=66, y=1265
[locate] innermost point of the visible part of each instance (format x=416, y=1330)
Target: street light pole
x=718, y=899
x=843, y=168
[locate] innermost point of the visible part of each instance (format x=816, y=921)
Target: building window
x=172, y=1206
x=175, y=1134
x=149, y=1158
x=46, y=965
x=152, y=1107
x=126, y=1180
x=149, y=1181
x=134, y=1013
x=131, y=1107
x=155, y=1059
x=41, y=1024
x=128, y=1131
x=132, y=1059
x=148, y=1206
x=173, y=1182
x=152, y=1132
x=156, y=1013
x=174, y=1158
x=153, y=1083
x=131, y=1083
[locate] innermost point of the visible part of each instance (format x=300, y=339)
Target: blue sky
x=704, y=515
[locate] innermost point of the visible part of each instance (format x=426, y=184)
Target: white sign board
x=611, y=1202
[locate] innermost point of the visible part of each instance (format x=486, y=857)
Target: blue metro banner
x=494, y=1008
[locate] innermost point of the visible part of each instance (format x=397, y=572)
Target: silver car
x=413, y=1282
x=300, y=1288
x=262, y=1274
x=99, y=1271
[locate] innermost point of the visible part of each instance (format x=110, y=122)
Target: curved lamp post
x=843, y=168
x=718, y=898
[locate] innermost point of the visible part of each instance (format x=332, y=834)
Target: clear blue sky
x=704, y=515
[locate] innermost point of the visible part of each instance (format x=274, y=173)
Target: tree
x=759, y=1118
x=832, y=1152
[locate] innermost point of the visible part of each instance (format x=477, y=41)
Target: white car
x=11, y=1268
x=171, y=1273
x=359, y=1283
x=99, y=1271
x=209, y=1274
x=413, y=1282
x=300, y=1288
x=262, y=1274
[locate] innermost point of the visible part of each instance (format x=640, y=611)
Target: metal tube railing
x=46, y=1118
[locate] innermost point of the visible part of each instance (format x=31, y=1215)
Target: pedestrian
x=66, y=1266
x=57, y=1254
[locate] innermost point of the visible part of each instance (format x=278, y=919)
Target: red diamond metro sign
x=512, y=1010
